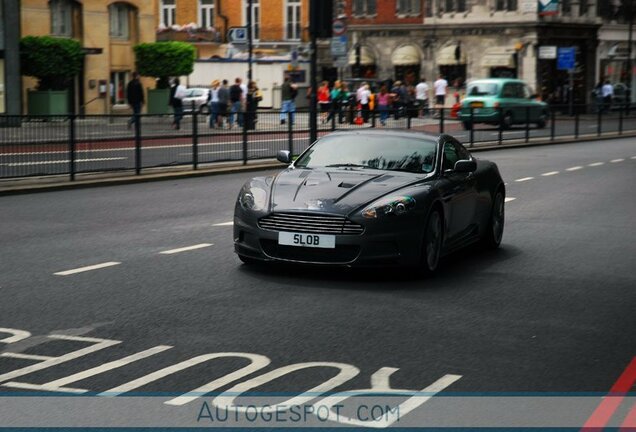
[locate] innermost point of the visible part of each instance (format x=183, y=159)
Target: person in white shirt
x=364, y=97
x=440, y=86
x=421, y=96
x=177, y=93
x=608, y=93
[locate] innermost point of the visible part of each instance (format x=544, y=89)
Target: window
x=292, y=31
x=61, y=17
x=450, y=156
x=409, y=7
x=454, y=6
x=566, y=7
x=119, y=20
x=506, y=5
x=168, y=8
x=256, y=18
x=364, y=7
x=206, y=14
x=118, y=82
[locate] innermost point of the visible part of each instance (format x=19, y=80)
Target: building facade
x=467, y=39
x=108, y=31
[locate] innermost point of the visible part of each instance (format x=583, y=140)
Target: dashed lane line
x=574, y=168
x=616, y=160
x=551, y=173
x=633, y=157
x=231, y=223
x=87, y=268
x=187, y=248
x=508, y=199
x=63, y=161
x=524, y=179
x=595, y=164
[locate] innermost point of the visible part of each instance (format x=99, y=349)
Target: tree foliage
x=164, y=59
x=53, y=61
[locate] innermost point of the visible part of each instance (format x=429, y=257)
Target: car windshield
x=382, y=152
x=482, y=89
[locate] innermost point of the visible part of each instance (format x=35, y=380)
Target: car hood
x=338, y=191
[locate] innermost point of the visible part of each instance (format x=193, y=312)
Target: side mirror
x=283, y=156
x=465, y=166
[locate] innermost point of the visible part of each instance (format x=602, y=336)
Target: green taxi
x=502, y=101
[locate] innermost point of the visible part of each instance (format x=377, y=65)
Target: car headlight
x=253, y=198
x=390, y=206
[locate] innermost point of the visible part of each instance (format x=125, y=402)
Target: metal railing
x=68, y=145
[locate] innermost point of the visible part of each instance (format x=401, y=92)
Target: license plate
x=307, y=240
x=477, y=104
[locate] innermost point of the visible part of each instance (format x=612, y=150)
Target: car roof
x=496, y=80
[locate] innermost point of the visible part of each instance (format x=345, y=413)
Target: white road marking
x=524, y=179
x=16, y=164
x=224, y=224
x=98, y=344
x=595, y=164
x=617, y=160
x=508, y=199
x=58, y=384
x=185, y=249
x=633, y=157
x=25, y=356
x=574, y=168
x=18, y=335
x=222, y=151
x=551, y=173
x=87, y=268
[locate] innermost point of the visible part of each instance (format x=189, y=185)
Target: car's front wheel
x=494, y=231
x=507, y=120
x=432, y=247
x=542, y=121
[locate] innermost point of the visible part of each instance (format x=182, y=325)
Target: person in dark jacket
x=135, y=96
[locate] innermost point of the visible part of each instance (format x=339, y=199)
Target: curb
x=34, y=185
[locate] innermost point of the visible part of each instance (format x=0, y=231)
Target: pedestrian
x=364, y=100
x=597, y=94
x=336, y=100
x=383, y=101
x=251, y=105
x=289, y=91
x=324, y=101
x=214, y=103
x=441, y=87
x=135, y=96
x=177, y=93
x=224, y=100
x=236, y=103
x=608, y=95
x=421, y=95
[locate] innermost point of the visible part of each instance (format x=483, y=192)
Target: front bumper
x=389, y=242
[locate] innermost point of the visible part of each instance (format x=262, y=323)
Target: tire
x=543, y=120
x=507, y=120
x=494, y=231
x=432, y=243
x=467, y=125
x=204, y=110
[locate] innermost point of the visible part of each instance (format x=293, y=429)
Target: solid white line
x=16, y=164
x=575, y=168
x=224, y=224
x=87, y=268
x=508, y=199
x=222, y=151
x=187, y=248
x=633, y=157
x=617, y=160
x=38, y=387
x=524, y=179
x=551, y=173
x=25, y=356
x=595, y=164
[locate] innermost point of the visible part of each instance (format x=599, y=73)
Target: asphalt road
x=551, y=311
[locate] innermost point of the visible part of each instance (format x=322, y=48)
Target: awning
x=498, y=57
x=405, y=55
x=446, y=56
x=366, y=56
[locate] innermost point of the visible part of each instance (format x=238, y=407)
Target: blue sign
x=566, y=58
x=548, y=7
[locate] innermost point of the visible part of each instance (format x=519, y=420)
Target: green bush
x=164, y=59
x=53, y=61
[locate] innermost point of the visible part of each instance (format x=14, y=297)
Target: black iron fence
x=68, y=145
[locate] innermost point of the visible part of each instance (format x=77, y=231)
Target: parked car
x=503, y=101
x=198, y=96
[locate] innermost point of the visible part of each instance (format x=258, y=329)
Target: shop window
x=118, y=81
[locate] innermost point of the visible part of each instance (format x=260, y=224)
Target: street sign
x=547, y=52
x=548, y=7
x=339, y=27
x=237, y=35
x=339, y=46
x=294, y=57
x=566, y=58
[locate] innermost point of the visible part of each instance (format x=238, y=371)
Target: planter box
x=157, y=102
x=49, y=102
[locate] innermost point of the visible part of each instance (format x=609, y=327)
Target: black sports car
x=371, y=198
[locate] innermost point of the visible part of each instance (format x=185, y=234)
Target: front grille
x=341, y=254
x=310, y=223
